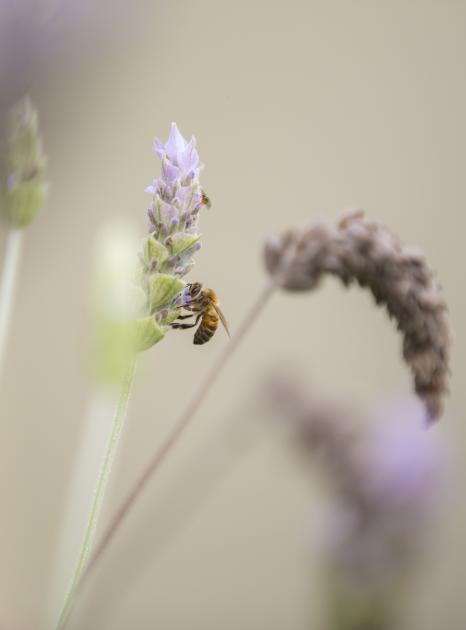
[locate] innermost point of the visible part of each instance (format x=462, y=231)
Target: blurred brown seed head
x=361, y=251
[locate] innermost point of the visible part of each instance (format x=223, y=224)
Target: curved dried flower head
x=357, y=250
x=174, y=237
x=23, y=186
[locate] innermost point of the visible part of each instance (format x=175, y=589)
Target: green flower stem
x=173, y=437
x=91, y=443
x=7, y=285
x=99, y=493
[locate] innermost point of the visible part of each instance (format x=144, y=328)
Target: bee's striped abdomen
x=207, y=327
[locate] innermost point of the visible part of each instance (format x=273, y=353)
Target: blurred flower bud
x=377, y=534
x=23, y=185
x=120, y=327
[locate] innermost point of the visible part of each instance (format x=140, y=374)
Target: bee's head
x=194, y=290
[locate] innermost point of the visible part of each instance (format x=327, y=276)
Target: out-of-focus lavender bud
x=168, y=250
x=122, y=323
x=386, y=485
x=23, y=185
x=377, y=532
x=23, y=177
x=398, y=485
x=117, y=305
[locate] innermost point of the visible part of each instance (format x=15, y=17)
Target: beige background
x=300, y=109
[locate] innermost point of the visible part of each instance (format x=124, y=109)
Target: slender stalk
x=95, y=430
x=7, y=285
x=175, y=434
x=102, y=481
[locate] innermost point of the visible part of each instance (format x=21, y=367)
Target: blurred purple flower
x=386, y=485
x=404, y=459
x=376, y=528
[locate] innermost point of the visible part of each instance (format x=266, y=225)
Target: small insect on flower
x=205, y=200
x=204, y=306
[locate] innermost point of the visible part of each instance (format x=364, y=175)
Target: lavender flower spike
x=174, y=237
x=177, y=198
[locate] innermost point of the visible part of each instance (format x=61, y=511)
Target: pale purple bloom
x=376, y=526
x=404, y=459
x=386, y=484
x=178, y=152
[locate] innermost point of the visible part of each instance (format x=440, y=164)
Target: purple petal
x=175, y=145
x=169, y=171
x=159, y=147
x=190, y=157
x=183, y=197
x=168, y=211
x=196, y=199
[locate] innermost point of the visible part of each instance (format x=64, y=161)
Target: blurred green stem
x=7, y=285
x=179, y=427
x=102, y=482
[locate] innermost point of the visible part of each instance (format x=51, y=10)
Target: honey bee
x=204, y=306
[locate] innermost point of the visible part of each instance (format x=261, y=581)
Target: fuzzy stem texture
x=174, y=436
x=99, y=493
x=7, y=286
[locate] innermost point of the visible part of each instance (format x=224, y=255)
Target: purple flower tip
x=175, y=144
x=176, y=196
x=179, y=157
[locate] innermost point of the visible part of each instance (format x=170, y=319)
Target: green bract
x=181, y=242
x=163, y=289
x=153, y=251
x=146, y=333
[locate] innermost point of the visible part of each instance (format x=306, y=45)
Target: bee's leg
x=184, y=326
x=185, y=316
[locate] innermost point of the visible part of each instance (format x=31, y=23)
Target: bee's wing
x=222, y=318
